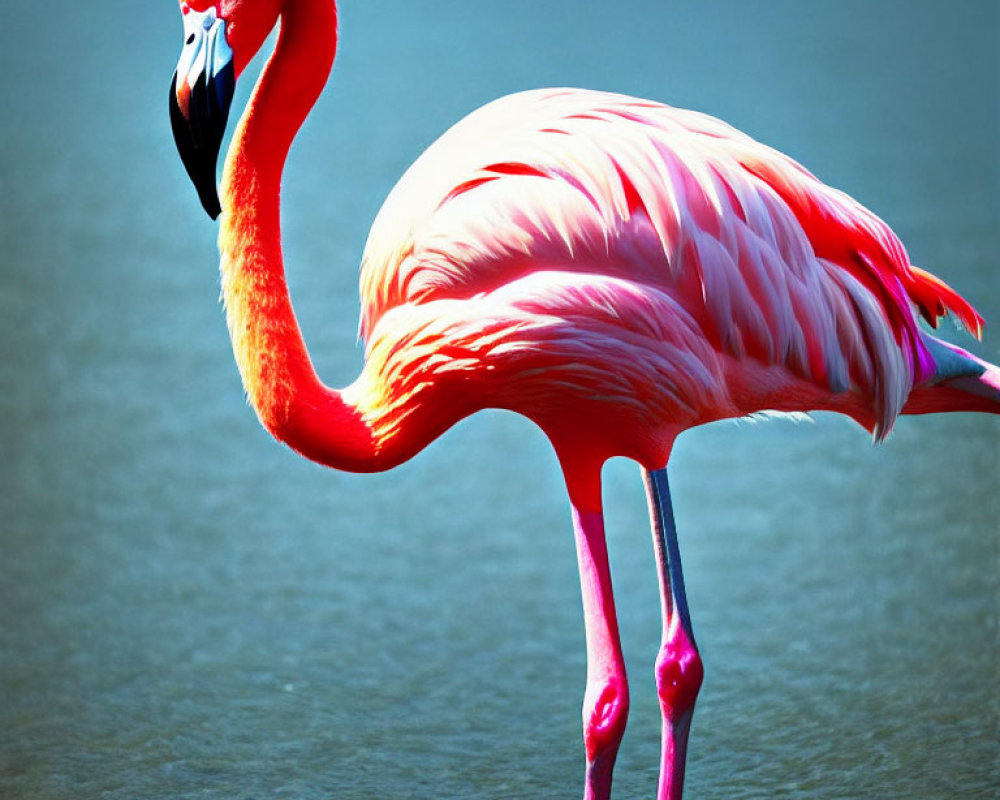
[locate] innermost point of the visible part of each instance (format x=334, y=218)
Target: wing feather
x=772, y=265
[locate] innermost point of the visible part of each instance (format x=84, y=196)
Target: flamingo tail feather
x=961, y=382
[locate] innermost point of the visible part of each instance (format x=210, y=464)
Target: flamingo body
x=614, y=269
x=667, y=268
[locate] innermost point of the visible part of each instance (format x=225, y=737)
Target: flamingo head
x=220, y=38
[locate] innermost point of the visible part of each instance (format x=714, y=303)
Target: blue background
x=189, y=610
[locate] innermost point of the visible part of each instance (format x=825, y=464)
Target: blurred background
x=189, y=610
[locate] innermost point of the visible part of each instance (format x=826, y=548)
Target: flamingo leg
x=678, y=669
x=605, y=703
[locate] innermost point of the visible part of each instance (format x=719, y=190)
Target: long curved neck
x=281, y=384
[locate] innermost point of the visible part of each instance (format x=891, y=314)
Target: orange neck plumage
x=282, y=386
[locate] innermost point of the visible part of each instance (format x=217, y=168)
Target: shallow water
x=188, y=610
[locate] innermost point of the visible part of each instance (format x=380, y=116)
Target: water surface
x=189, y=610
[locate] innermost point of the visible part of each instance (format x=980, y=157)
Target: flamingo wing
x=774, y=266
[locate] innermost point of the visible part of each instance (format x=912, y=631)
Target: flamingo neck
x=281, y=383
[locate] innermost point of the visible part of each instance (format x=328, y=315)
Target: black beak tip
x=210, y=202
x=198, y=134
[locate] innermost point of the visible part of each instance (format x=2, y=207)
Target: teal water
x=189, y=610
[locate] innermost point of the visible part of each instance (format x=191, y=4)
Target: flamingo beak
x=200, y=97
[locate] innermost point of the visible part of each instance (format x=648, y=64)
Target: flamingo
x=614, y=269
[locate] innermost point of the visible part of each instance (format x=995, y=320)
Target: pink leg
x=605, y=702
x=678, y=668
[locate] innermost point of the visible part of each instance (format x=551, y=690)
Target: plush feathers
x=618, y=207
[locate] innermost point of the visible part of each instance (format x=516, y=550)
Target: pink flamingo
x=613, y=269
